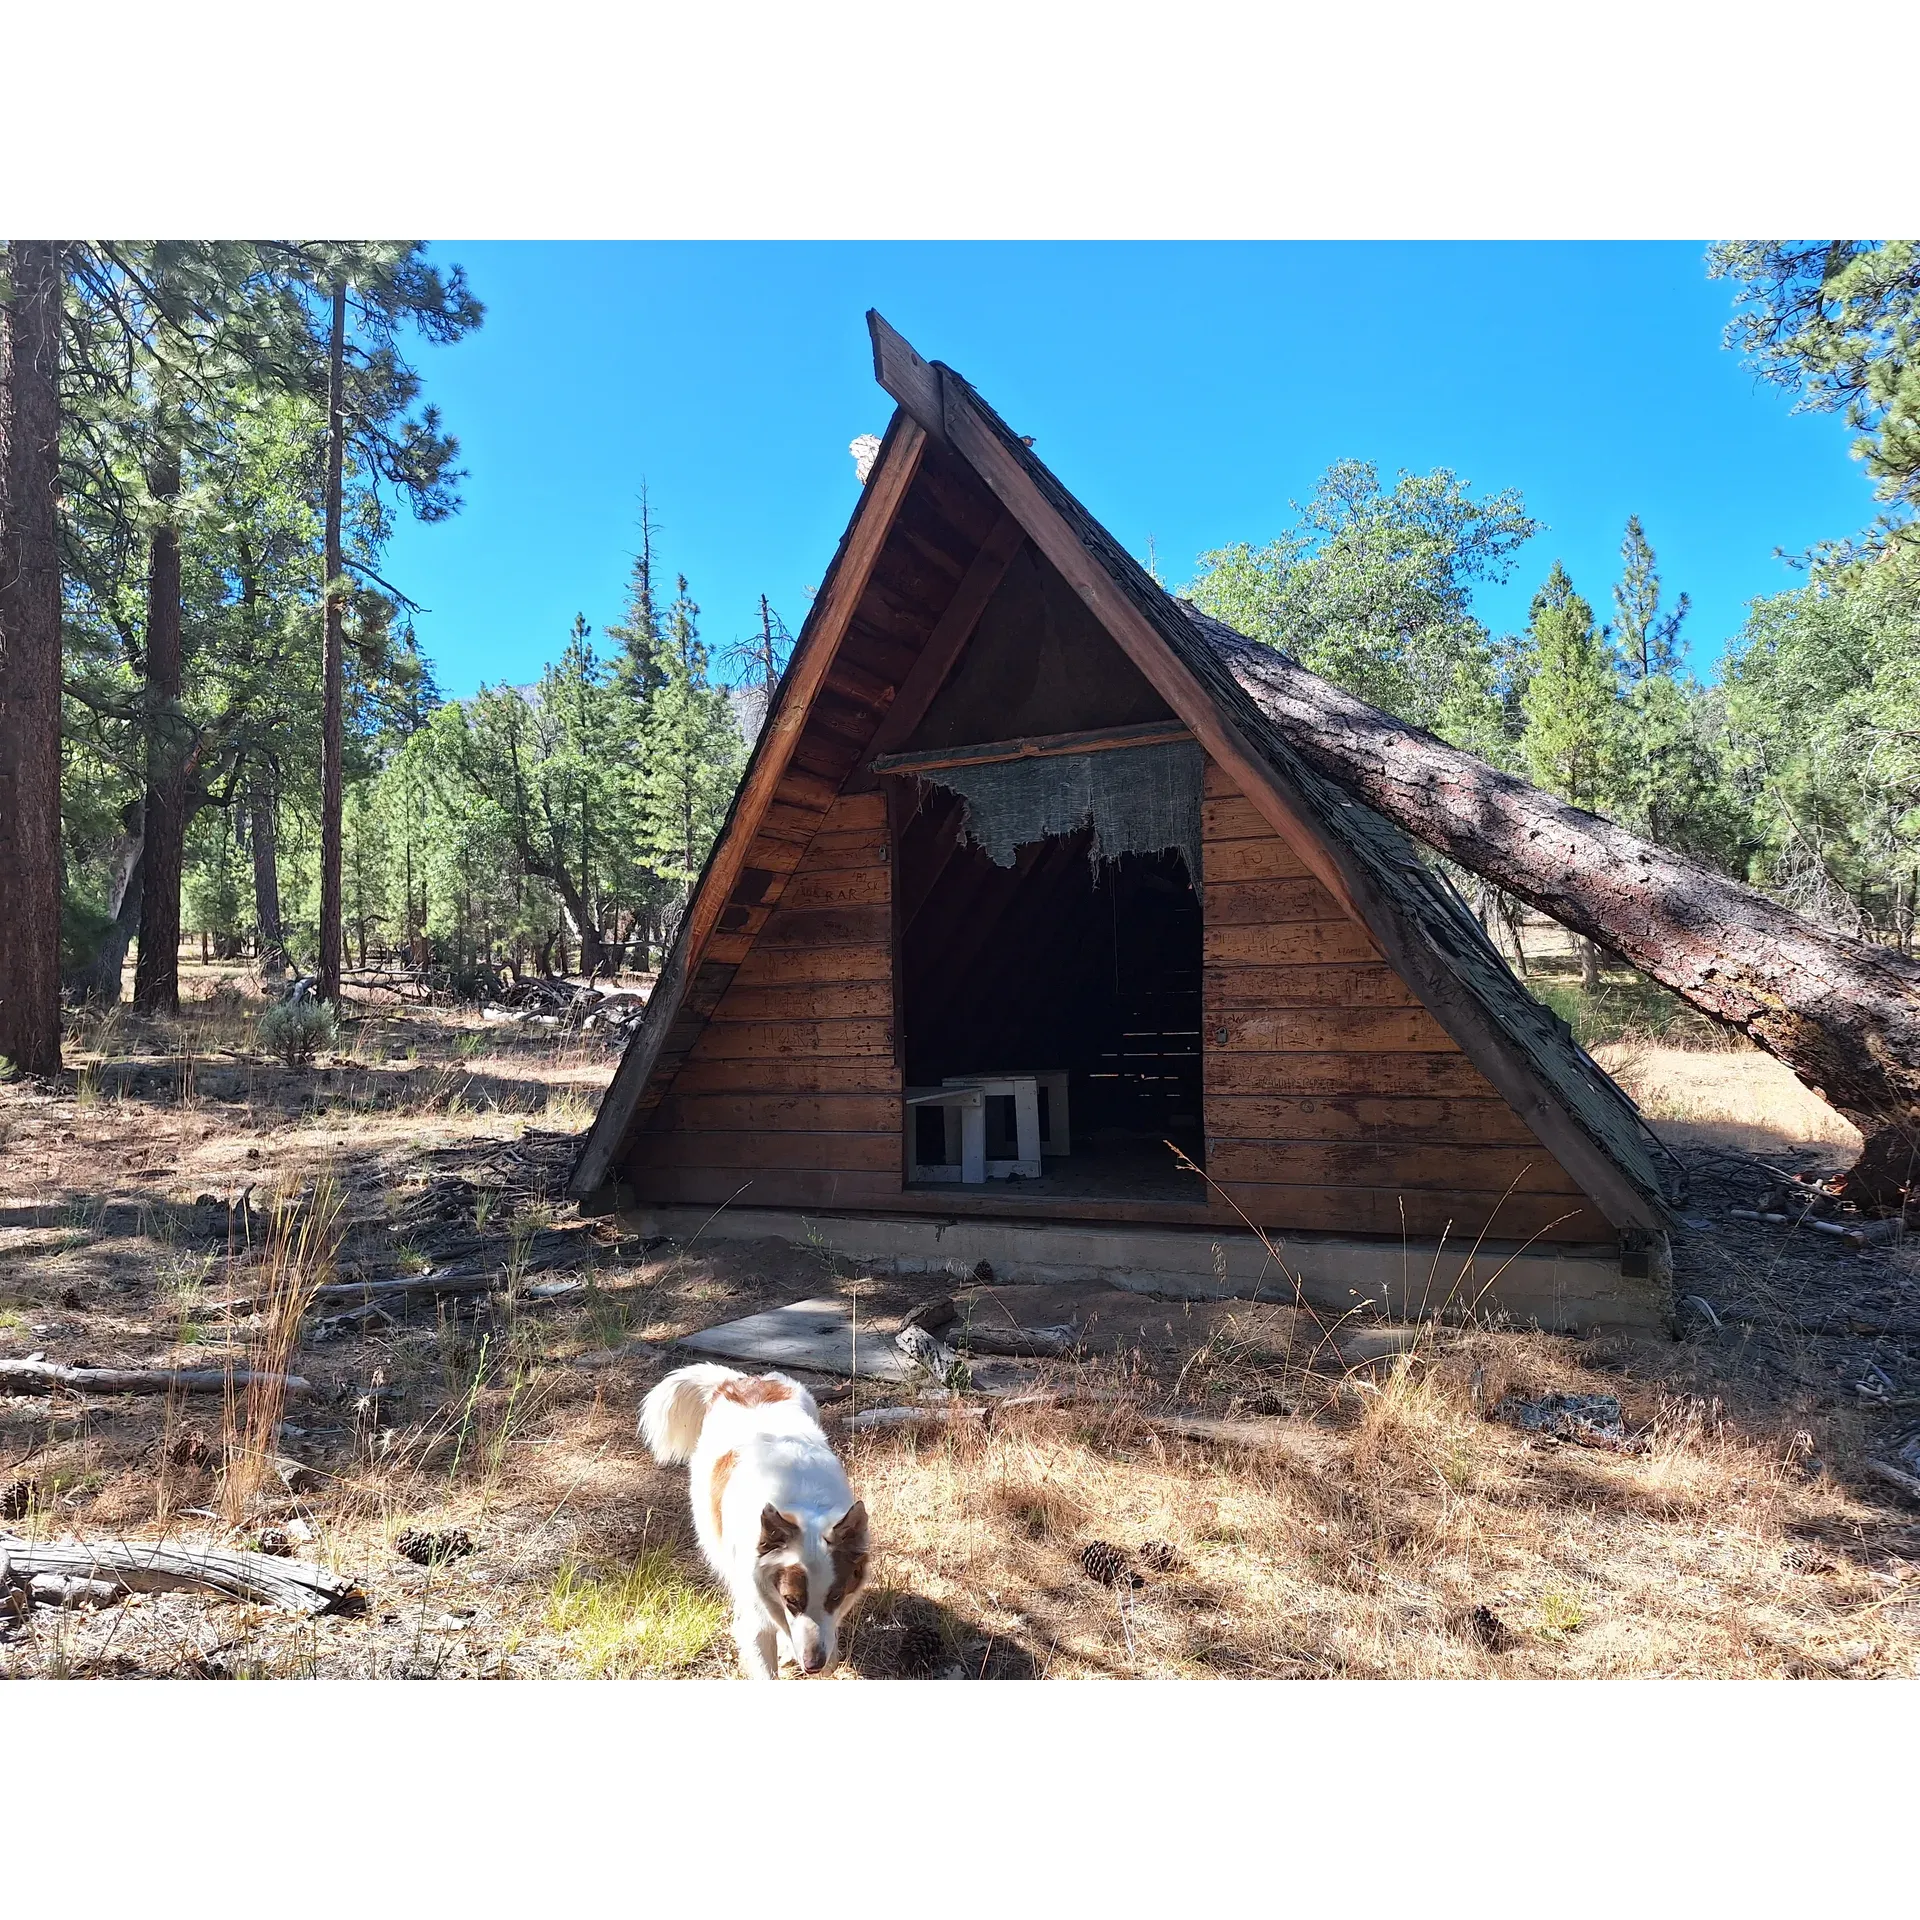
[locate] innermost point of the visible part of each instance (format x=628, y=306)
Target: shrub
x=296, y=1030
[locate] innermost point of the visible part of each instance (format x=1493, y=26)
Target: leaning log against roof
x=1842, y=1013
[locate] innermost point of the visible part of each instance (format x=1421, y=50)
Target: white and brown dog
x=771, y=1508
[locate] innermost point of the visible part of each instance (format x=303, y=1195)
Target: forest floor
x=149, y=1209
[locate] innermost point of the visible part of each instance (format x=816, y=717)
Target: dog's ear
x=849, y=1532
x=777, y=1529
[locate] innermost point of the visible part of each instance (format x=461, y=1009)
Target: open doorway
x=1055, y=965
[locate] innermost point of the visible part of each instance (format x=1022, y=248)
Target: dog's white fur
x=783, y=1504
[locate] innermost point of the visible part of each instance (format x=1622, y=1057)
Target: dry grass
x=1747, y=1100
x=1394, y=1531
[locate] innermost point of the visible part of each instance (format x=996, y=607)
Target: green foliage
x=296, y=1030
x=1572, y=698
x=1372, y=588
x=626, y=1622
x=1840, y=321
x=1822, y=700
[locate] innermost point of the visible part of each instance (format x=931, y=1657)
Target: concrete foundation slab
x=1562, y=1289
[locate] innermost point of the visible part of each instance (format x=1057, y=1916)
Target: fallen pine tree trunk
x=35, y=1376
x=137, y=1567
x=1842, y=1013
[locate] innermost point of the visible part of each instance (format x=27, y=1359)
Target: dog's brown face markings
x=792, y=1586
x=722, y=1473
x=777, y=1530
x=759, y=1391
x=847, y=1543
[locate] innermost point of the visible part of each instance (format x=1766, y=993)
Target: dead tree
x=1844, y=1014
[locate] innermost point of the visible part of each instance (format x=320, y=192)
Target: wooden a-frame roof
x=1208, y=675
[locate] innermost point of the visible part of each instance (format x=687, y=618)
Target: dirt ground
x=174, y=1200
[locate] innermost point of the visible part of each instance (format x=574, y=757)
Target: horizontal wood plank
x=869, y=1075
x=1301, y=942
x=1268, y=859
x=1234, y=818
x=1365, y=1117
x=858, y=813
x=1219, y=783
x=832, y=927
x=792, y=1039
x=838, y=887
x=692, y=1112
x=1245, y=903
x=1357, y=985
x=831, y=852
x=775, y=966
x=1448, y=1075
x=1329, y=1030
x=1475, y=1169
x=757, y=1187
x=808, y=1000
x=774, y=1151
x=1462, y=1217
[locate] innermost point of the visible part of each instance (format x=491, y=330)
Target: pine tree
x=1649, y=640
x=30, y=283
x=1572, y=706
x=691, y=751
x=638, y=672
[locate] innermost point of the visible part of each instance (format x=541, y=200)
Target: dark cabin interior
x=1051, y=963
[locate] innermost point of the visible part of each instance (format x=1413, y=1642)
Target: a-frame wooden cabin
x=1314, y=1019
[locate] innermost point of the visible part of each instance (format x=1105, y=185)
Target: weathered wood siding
x=791, y=1084
x=1334, y=1101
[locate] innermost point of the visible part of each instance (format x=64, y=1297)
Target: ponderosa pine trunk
x=156, y=968
x=30, y=658
x=262, y=832
x=98, y=979
x=333, y=662
x=1842, y=1013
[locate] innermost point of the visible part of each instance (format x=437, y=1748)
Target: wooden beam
x=813, y=654
x=1039, y=746
x=950, y=634
x=1138, y=639
x=908, y=378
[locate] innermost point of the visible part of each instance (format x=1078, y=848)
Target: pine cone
x=1159, y=1556
x=922, y=1651
x=17, y=1501
x=274, y=1540
x=1489, y=1629
x=190, y=1449
x=426, y=1549
x=1108, y=1565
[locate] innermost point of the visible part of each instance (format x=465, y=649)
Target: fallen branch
x=36, y=1376
x=296, y=1585
x=1895, y=1477
x=456, y=1279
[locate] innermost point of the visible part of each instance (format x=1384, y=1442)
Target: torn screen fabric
x=1136, y=799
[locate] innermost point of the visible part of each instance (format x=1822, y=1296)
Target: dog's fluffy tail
x=672, y=1414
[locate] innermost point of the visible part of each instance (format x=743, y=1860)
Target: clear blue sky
x=1184, y=391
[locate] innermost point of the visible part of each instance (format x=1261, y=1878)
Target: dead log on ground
x=36, y=1376
x=139, y=1567
x=470, y=1278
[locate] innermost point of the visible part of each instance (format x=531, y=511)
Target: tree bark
x=1842, y=1013
x=99, y=979
x=30, y=659
x=156, y=971
x=1589, y=967
x=333, y=656
x=266, y=875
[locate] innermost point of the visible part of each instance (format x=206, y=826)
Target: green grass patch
x=628, y=1622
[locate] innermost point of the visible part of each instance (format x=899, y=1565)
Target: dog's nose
x=816, y=1661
